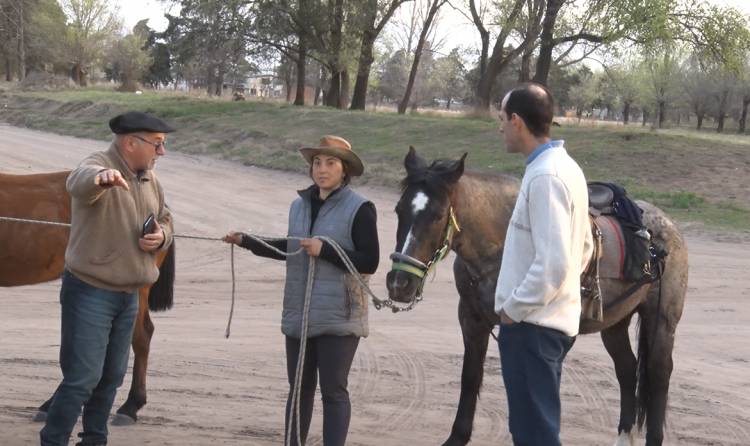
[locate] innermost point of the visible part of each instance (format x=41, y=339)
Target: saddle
x=623, y=249
x=601, y=199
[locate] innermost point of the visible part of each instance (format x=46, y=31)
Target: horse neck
x=483, y=206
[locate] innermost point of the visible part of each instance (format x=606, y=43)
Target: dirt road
x=204, y=389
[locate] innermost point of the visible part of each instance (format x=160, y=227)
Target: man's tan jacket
x=106, y=224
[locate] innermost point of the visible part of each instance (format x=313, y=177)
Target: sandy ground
x=204, y=389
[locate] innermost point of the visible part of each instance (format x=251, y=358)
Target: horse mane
x=433, y=177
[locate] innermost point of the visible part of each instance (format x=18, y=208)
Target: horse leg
x=144, y=329
x=656, y=341
x=617, y=343
x=475, y=335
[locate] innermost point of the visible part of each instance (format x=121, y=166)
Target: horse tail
x=161, y=294
x=642, y=389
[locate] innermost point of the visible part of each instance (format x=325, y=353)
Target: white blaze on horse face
x=419, y=202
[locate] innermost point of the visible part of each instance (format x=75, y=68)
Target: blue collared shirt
x=541, y=148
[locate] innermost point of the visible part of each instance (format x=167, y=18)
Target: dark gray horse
x=482, y=206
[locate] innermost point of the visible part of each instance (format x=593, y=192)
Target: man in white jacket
x=547, y=247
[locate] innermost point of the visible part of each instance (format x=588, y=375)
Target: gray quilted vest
x=338, y=306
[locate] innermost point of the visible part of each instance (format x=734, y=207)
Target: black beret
x=134, y=121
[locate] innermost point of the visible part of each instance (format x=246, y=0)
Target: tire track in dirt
x=586, y=388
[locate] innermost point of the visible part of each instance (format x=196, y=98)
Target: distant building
x=264, y=85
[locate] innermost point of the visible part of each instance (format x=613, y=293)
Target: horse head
x=426, y=223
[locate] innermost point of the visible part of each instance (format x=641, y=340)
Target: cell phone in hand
x=149, y=225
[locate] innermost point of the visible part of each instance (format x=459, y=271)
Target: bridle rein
x=415, y=267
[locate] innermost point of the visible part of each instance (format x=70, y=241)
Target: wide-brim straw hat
x=340, y=148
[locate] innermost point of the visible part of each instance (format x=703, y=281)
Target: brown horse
x=436, y=195
x=35, y=253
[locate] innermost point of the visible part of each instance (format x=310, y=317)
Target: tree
x=697, y=85
x=583, y=94
x=287, y=27
x=45, y=48
x=213, y=34
x=450, y=77
x=625, y=83
x=392, y=75
x=744, y=93
x=562, y=80
x=723, y=84
x=92, y=25
x=661, y=68
x=14, y=18
x=502, y=53
x=129, y=62
x=374, y=16
x=432, y=10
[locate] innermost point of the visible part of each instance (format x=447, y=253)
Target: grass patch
x=675, y=169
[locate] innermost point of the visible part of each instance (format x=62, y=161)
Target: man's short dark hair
x=534, y=104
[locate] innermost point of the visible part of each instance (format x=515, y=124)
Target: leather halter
x=411, y=265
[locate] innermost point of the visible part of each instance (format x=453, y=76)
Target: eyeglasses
x=162, y=144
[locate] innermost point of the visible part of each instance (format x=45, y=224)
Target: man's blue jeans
x=531, y=357
x=97, y=327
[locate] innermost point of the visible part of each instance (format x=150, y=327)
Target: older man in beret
x=118, y=223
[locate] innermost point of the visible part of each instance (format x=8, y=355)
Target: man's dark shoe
x=86, y=442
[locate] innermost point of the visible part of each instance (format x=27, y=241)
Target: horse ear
x=413, y=162
x=456, y=169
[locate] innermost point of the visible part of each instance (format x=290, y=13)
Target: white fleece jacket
x=547, y=246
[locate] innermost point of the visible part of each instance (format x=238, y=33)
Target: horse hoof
x=39, y=417
x=122, y=420
x=625, y=439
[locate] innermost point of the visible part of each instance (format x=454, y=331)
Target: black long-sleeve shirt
x=366, y=253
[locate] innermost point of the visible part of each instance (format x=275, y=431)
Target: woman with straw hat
x=337, y=316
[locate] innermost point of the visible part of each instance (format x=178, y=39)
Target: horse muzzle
x=406, y=277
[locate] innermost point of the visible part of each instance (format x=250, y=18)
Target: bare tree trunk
x=484, y=36
x=369, y=35
x=299, y=98
x=322, y=79
x=318, y=88
x=334, y=90
x=662, y=113
x=743, y=116
x=21, y=43
x=344, y=95
x=359, y=97
x=8, y=69
x=366, y=58
x=434, y=7
x=547, y=43
x=525, y=74
x=210, y=76
x=700, y=121
x=78, y=74
x=333, y=99
x=499, y=59
x=220, y=79
x=626, y=113
x=722, y=103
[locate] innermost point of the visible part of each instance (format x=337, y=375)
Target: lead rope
x=294, y=407
x=295, y=403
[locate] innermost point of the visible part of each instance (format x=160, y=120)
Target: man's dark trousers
x=97, y=327
x=531, y=357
